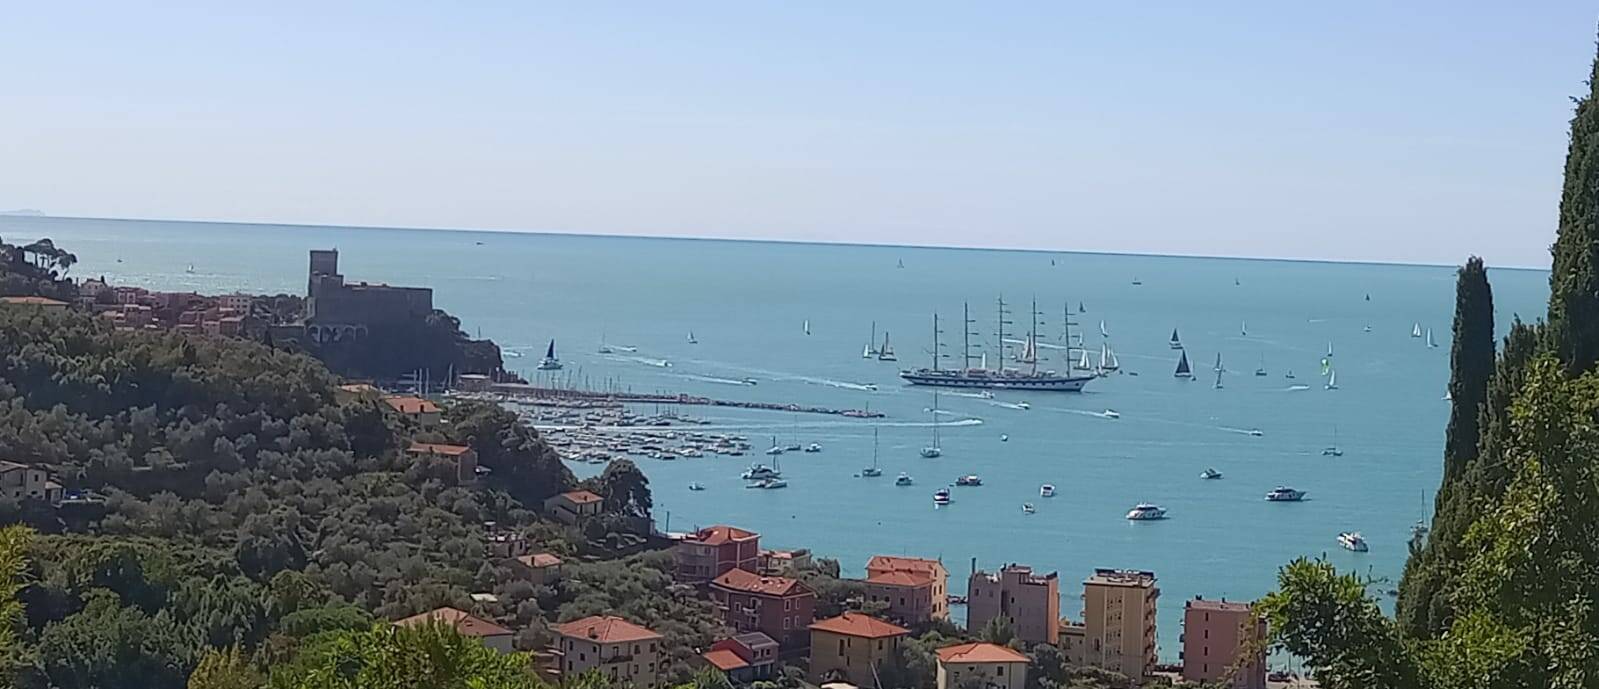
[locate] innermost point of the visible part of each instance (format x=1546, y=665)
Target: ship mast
x=935, y=340
x=999, y=347
x=1066, y=325
x=966, y=337
x=1032, y=338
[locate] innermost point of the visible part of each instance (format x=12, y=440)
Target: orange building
x=1224, y=639
x=853, y=648
x=915, y=589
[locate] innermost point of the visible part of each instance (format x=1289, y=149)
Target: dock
x=530, y=393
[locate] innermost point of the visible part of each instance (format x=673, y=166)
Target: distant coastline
x=25, y=213
x=796, y=242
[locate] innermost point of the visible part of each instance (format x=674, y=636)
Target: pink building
x=1224, y=639
x=1029, y=603
x=710, y=552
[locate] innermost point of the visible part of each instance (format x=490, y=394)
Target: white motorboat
x=969, y=480
x=1210, y=474
x=769, y=484
x=1111, y=414
x=1256, y=432
x=941, y=497
x=1285, y=494
x=1145, y=512
x=1027, y=508
x=1023, y=406
x=696, y=486
x=1046, y=491
x=1353, y=541
x=1004, y=437
x=758, y=472
x=903, y=479
x=813, y=447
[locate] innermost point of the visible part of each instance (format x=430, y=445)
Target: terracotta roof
x=411, y=405
x=979, y=653
x=539, y=560
x=439, y=449
x=750, y=582
x=605, y=629
x=463, y=622
x=359, y=387
x=720, y=534
x=34, y=301
x=724, y=660
x=1218, y=605
x=581, y=496
x=904, y=564
x=900, y=578
x=858, y=625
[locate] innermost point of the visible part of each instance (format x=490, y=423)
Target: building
x=780, y=607
x=237, y=302
x=573, y=506
x=710, y=552
x=1073, y=636
x=783, y=561
x=335, y=309
x=464, y=458
x=41, y=303
x=20, y=482
x=1224, y=639
x=421, y=410
x=1119, y=621
x=492, y=635
x=1029, y=603
x=503, y=543
x=746, y=658
x=619, y=650
x=990, y=665
x=915, y=589
x=851, y=647
x=539, y=569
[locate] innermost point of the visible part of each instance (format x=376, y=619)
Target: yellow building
x=853, y=648
x=619, y=650
x=1119, y=621
x=990, y=665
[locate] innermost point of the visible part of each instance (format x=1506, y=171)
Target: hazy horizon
x=1415, y=134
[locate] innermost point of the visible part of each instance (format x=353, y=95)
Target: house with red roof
x=746, y=658
x=422, y=410
x=572, y=507
x=462, y=457
x=915, y=589
x=851, y=646
x=989, y=665
x=492, y=635
x=623, y=652
x=780, y=607
x=710, y=552
x=538, y=568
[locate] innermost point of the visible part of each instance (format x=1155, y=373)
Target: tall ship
x=999, y=377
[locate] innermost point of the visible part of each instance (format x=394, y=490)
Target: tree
x=626, y=491
x=390, y=657
x=1574, y=279
x=14, y=542
x=1327, y=618
x=224, y=669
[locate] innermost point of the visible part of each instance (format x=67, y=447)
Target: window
x=999, y=670
x=841, y=647
x=635, y=649
x=787, y=605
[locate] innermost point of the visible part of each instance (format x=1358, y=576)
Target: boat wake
x=714, y=379
x=1296, y=388
x=940, y=412
x=864, y=387
x=658, y=363
x=973, y=395
x=1240, y=431
x=1009, y=405
x=1081, y=412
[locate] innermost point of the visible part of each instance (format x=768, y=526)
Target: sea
x=749, y=304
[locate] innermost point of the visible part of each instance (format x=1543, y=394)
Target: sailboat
x=1243, y=328
x=1333, y=450
x=1182, y=367
x=1332, y=380
x=1262, y=370
x=1081, y=308
x=1137, y=282
x=807, y=326
x=886, y=352
x=1366, y=329
x=1176, y=342
x=1107, y=359
x=604, y=348
x=1219, y=367
x=550, y=363
x=934, y=450
x=1218, y=379
x=1415, y=330
x=1430, y=343
x=691, y=338
x=901, y=263
x=870, y=352
x=873, y=471
x=1085, y=363
x=1329, y=350
x=1102, y=331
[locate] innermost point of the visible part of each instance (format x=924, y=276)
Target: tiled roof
x=581, y=496
x=605, y=629
x=724, y=660
x=34, y=301
x=858, y=625
x=750, y=582
x=10, y=466
x=979, y=653
x=900, y=578
x=539, y=560
x=720, y=534
x=463, y=622
x=411, y=405
x=439, y=449
x=904, y=564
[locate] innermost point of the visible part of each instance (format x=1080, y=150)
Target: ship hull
x=1052, y=383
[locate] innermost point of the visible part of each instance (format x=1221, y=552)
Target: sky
x=1411, y=132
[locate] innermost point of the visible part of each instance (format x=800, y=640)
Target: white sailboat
x=1430, y=343
x=807, y=326
x=1243, y=329
x=1218, y=379
x=1182, y=367
x=1332, y=380
x=870, y=342
x=1415, y=330
x=1333, y=450
x=692, y=339
x=1107, y=358
x=873, y=471
x=1329, y=350
x=886, y=352
x=1176, y=342
x=1085, y=363
x=1102, y=331
x=935, y=449
x=1219, y=367
x=1262, y=370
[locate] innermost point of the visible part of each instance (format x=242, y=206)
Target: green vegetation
x=1503, y=595
x=436, y=344
x=37, y=269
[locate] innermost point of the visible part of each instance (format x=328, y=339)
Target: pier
x=531, y=393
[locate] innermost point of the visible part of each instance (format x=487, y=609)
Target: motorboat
x=750, y=381
x=1256, y=432
x=1112, y=414
x=1027, y=508
x=903, y=479
x=1210, y=474
x=1285, y=494
x=1004, y=437
x=769, y=484
x=1145, y=512
x=813, y=447
x=1046, y=491
x=1023, y=405
x=941, y=496
x=1353, y=541
x=969, y=480
x=758, y=472
x=696, y=486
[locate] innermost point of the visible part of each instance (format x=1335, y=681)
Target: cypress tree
x=1574, y=280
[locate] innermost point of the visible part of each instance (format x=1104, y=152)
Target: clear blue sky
x=1414, y=131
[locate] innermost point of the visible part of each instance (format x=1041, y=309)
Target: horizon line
x=803, y=242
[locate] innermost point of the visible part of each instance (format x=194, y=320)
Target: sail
x=807, y=326
x=1329, y=350
x=1104, y=355
x=1218, y=362
x=1174, y=338
x=550, y=353
x=1430, y=343
x=1415, y=330
x=1085, y=363
x=1102, y=332
x=1114, y=364
x=1243, y=329
x=1218, y=379
x=1182, y=366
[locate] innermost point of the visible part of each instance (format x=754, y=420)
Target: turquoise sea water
x=746, y=303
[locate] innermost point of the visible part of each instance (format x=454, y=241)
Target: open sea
x=747, y=303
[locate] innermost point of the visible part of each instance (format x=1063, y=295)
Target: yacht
x=813, y=447
x=941, y=496
x=1210, y=474
x=759, y=472
x=1256, y=432
x=1046, y=491
x=696, y=486
x=550, y=363
x=903, y=479
x=768, y=484
x=872, y=471
x=1285, y=494
x=1353, y=541
x=1145, y=512
x=969, y=480
x=1027, y=508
